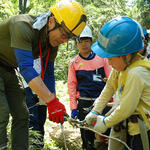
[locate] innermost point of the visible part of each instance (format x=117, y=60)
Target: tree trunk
x=22, y=6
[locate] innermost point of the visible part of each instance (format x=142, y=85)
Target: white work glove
x=91, y=117
x=100, y=125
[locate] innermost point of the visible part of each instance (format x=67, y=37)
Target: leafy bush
x=66, y=52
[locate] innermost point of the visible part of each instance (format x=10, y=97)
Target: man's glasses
x=64, y=34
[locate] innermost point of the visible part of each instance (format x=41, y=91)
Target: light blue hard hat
x=118, y=37
x=144, y=31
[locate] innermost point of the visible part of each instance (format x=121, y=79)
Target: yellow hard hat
x=70, y=15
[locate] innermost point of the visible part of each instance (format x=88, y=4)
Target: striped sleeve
x=72, y=85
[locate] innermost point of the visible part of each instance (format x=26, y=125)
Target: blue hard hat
x=144, y=31
x=118, y=37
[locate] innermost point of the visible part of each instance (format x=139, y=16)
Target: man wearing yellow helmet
x=24, y=38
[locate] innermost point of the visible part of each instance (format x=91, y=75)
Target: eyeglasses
x=64, y=34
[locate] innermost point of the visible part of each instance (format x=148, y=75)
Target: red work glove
x=56, y=111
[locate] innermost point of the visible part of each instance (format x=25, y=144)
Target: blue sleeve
x=49, y=78
x=25, y=64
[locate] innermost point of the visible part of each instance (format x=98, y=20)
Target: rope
x=82, y=125
x=87, y=128
x=64, y=137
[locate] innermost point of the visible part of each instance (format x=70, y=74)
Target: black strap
x=128, y=137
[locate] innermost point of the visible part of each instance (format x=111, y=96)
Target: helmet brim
x=97, y=49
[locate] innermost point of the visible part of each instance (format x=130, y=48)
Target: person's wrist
x=103, y=120
x=51, y=101
x=94, y=112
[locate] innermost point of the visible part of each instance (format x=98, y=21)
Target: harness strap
x=142, y=113
x=145, y=105
x=142, y=63
x=146, y=64
x=143, y=134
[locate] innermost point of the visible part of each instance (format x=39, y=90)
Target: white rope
x=113, y=138
x=64, y=137
x=81, y=124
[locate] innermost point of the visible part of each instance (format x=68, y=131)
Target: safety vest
x=142, y=63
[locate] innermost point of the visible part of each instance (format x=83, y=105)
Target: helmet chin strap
x=57, y=25
x=49, y=30
x=130, y=61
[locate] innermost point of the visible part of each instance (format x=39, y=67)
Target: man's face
x=57, y=36
x=84, y=45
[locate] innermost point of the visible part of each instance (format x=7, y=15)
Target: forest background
x=98, y=13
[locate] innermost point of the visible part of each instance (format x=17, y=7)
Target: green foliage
x=102, y=11
x=11, y=7
x=34, y=139
x=36, y=135
x=8, y=8
x=140, y=12
x=66, y=52
x=62, y=91
x=39, y=6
